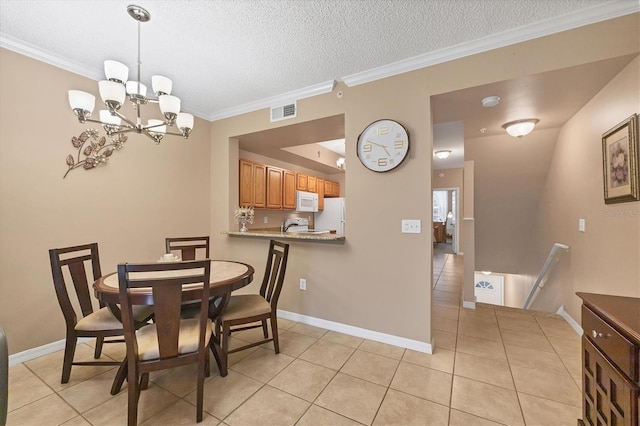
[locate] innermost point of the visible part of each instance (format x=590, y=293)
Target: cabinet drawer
x=616, y=347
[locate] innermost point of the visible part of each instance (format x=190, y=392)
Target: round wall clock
x=383, y=145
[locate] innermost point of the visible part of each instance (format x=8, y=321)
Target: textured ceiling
x=230, y=54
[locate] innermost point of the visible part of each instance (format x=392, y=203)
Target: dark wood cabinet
x=610, y=359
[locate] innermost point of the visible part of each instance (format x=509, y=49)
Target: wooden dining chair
x=170, y=341
x=188, y=246
x=251, y=308
x=87, y=322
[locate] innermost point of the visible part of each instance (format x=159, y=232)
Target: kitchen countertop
x=276, y=233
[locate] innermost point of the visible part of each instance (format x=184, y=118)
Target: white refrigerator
x=333, y=216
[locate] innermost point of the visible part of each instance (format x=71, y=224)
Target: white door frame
x=455, y=244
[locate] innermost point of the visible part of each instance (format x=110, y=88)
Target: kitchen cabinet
x=269, y=187
x=274, y=187
x=610, y=359
x=320, y=194
x=301, y=181
x=289, y=190
x=252, y=184
x=331, y=189
x=312, y=184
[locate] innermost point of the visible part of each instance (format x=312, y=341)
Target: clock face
x=383, y=145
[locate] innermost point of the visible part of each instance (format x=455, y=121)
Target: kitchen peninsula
x=277, y=233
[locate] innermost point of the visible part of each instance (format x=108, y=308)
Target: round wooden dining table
x=225, y=277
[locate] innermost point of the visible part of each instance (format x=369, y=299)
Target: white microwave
x=306, y=201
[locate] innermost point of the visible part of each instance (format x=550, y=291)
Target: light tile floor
x=491, y=366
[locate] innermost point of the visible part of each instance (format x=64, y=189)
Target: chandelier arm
x=174, y=134
x=126, y=120
x=155, y=138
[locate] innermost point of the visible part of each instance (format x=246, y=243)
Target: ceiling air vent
x=283, y=112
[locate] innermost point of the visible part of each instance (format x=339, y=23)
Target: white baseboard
x=389, y=339
x=49, y=348
x=573, y=323
x=468, y=305
x=359, y=332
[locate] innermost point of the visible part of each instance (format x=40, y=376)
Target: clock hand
x=380, y=145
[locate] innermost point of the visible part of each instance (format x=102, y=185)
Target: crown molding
x=35, y=52
x=274, y=101
x=603, y=12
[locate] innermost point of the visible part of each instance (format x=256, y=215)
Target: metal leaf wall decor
x=95, y=149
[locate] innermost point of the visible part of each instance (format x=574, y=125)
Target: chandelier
x=113, y=92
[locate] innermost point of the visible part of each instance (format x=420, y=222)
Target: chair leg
x=226, y=333
x=200, y=391
x=144, y=381
x=69, y=351
x=274, y=331
x=220, y=358
x=265, y=329
x=98, y=350
x=121, y=375
x=133, y=393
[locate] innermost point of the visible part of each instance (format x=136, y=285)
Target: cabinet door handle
x=596, y=335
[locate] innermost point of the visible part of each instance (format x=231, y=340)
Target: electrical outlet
x=303, y=284
x=411, y=226
x=581, y=225
x=266, y=219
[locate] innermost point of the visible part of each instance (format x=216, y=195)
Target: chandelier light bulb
x=520, y=128
x=136, y=89
x=82, y=102
x=185, y=123
x=156, y=126
x=169, y=104
x=112, y=94
x=161, y=85
x=116, y=71
x=107, y=118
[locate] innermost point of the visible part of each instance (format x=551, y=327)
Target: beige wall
x=604, y=259
x=149, y=192
x=378, y=269
x=146, y=193
x=509, y=177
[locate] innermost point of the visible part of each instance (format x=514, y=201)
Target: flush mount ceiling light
x=443, y=153
x=113, y=91
x=490, y=101
x=520, y=128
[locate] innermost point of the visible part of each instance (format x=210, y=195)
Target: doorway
x=446, y=223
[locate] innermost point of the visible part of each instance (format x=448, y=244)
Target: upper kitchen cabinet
x=289, y=190
x=275, y=185
x=312, y=184
x=331, y=189
x=320, y=194
x=253, y=188
x=302, y=181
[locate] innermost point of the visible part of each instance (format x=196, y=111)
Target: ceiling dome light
x=520, y=128
x=442, y=154
x=490, y=101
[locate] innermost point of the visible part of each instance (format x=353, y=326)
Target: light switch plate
x=581, y=225
x=411, y=226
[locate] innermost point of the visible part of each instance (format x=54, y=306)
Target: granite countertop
x=276, y=233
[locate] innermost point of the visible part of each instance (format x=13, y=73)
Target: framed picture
x=620, y=162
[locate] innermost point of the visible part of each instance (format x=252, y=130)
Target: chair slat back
x=74, y=258
x=274, y=272
x=188, y=246
x=166, y=281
